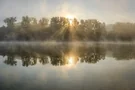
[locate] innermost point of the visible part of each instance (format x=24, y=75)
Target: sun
x=70, y=60
x=70, y=18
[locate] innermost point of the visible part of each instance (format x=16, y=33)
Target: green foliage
x=122, y=31
x=30, y=54
x=43, y=22
x=26, y=21
x=64, y=29
x=10, y=21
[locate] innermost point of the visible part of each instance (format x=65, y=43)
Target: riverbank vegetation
x=65, y=29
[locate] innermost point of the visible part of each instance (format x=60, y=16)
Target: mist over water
x=67, y=45
x=67, y=66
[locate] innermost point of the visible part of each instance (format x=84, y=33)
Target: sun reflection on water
x=71, y=62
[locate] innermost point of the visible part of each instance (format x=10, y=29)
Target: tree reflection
x=10, y=60
x=94, y=54
x=28, y=60
x=123, y=52
x=62, y=54
x=43, y=60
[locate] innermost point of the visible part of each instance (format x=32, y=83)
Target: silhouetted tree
x=10, y=60
x=64, y=29
x=26, y=21
x=10, y=21
x=43, y=22
x=34, y=21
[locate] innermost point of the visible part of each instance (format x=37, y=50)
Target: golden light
x=70, y=18
x=70, y=60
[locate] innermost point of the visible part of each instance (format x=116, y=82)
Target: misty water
x=67, y=66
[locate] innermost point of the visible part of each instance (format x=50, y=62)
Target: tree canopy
x=64, y=29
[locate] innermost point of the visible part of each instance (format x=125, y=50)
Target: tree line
x=61, y=29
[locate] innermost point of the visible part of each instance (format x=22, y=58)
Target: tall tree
x=10, y=21
x=26, y=21
x=43, y=21
x=33, y=21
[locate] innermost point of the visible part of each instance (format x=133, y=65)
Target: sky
x=108, y=11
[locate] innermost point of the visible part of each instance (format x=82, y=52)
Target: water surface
x=67, y=66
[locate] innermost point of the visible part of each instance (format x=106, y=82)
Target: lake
x=67, y=66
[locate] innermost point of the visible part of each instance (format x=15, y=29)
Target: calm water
x=62, y=66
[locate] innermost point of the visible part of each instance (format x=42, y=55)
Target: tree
x=92, y=29
x=33, y=21
x=124, y=31
x=26, y=21
x=10, y=21
x=43, y=22
x=59, y=27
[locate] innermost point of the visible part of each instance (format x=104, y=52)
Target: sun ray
x=70, y=18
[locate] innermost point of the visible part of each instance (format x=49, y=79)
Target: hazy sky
x=108, y=11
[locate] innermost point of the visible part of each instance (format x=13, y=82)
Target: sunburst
x=70, y=18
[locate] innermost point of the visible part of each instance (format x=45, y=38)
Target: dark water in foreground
x=63, y=66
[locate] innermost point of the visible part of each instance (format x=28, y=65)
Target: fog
x=103, y=10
